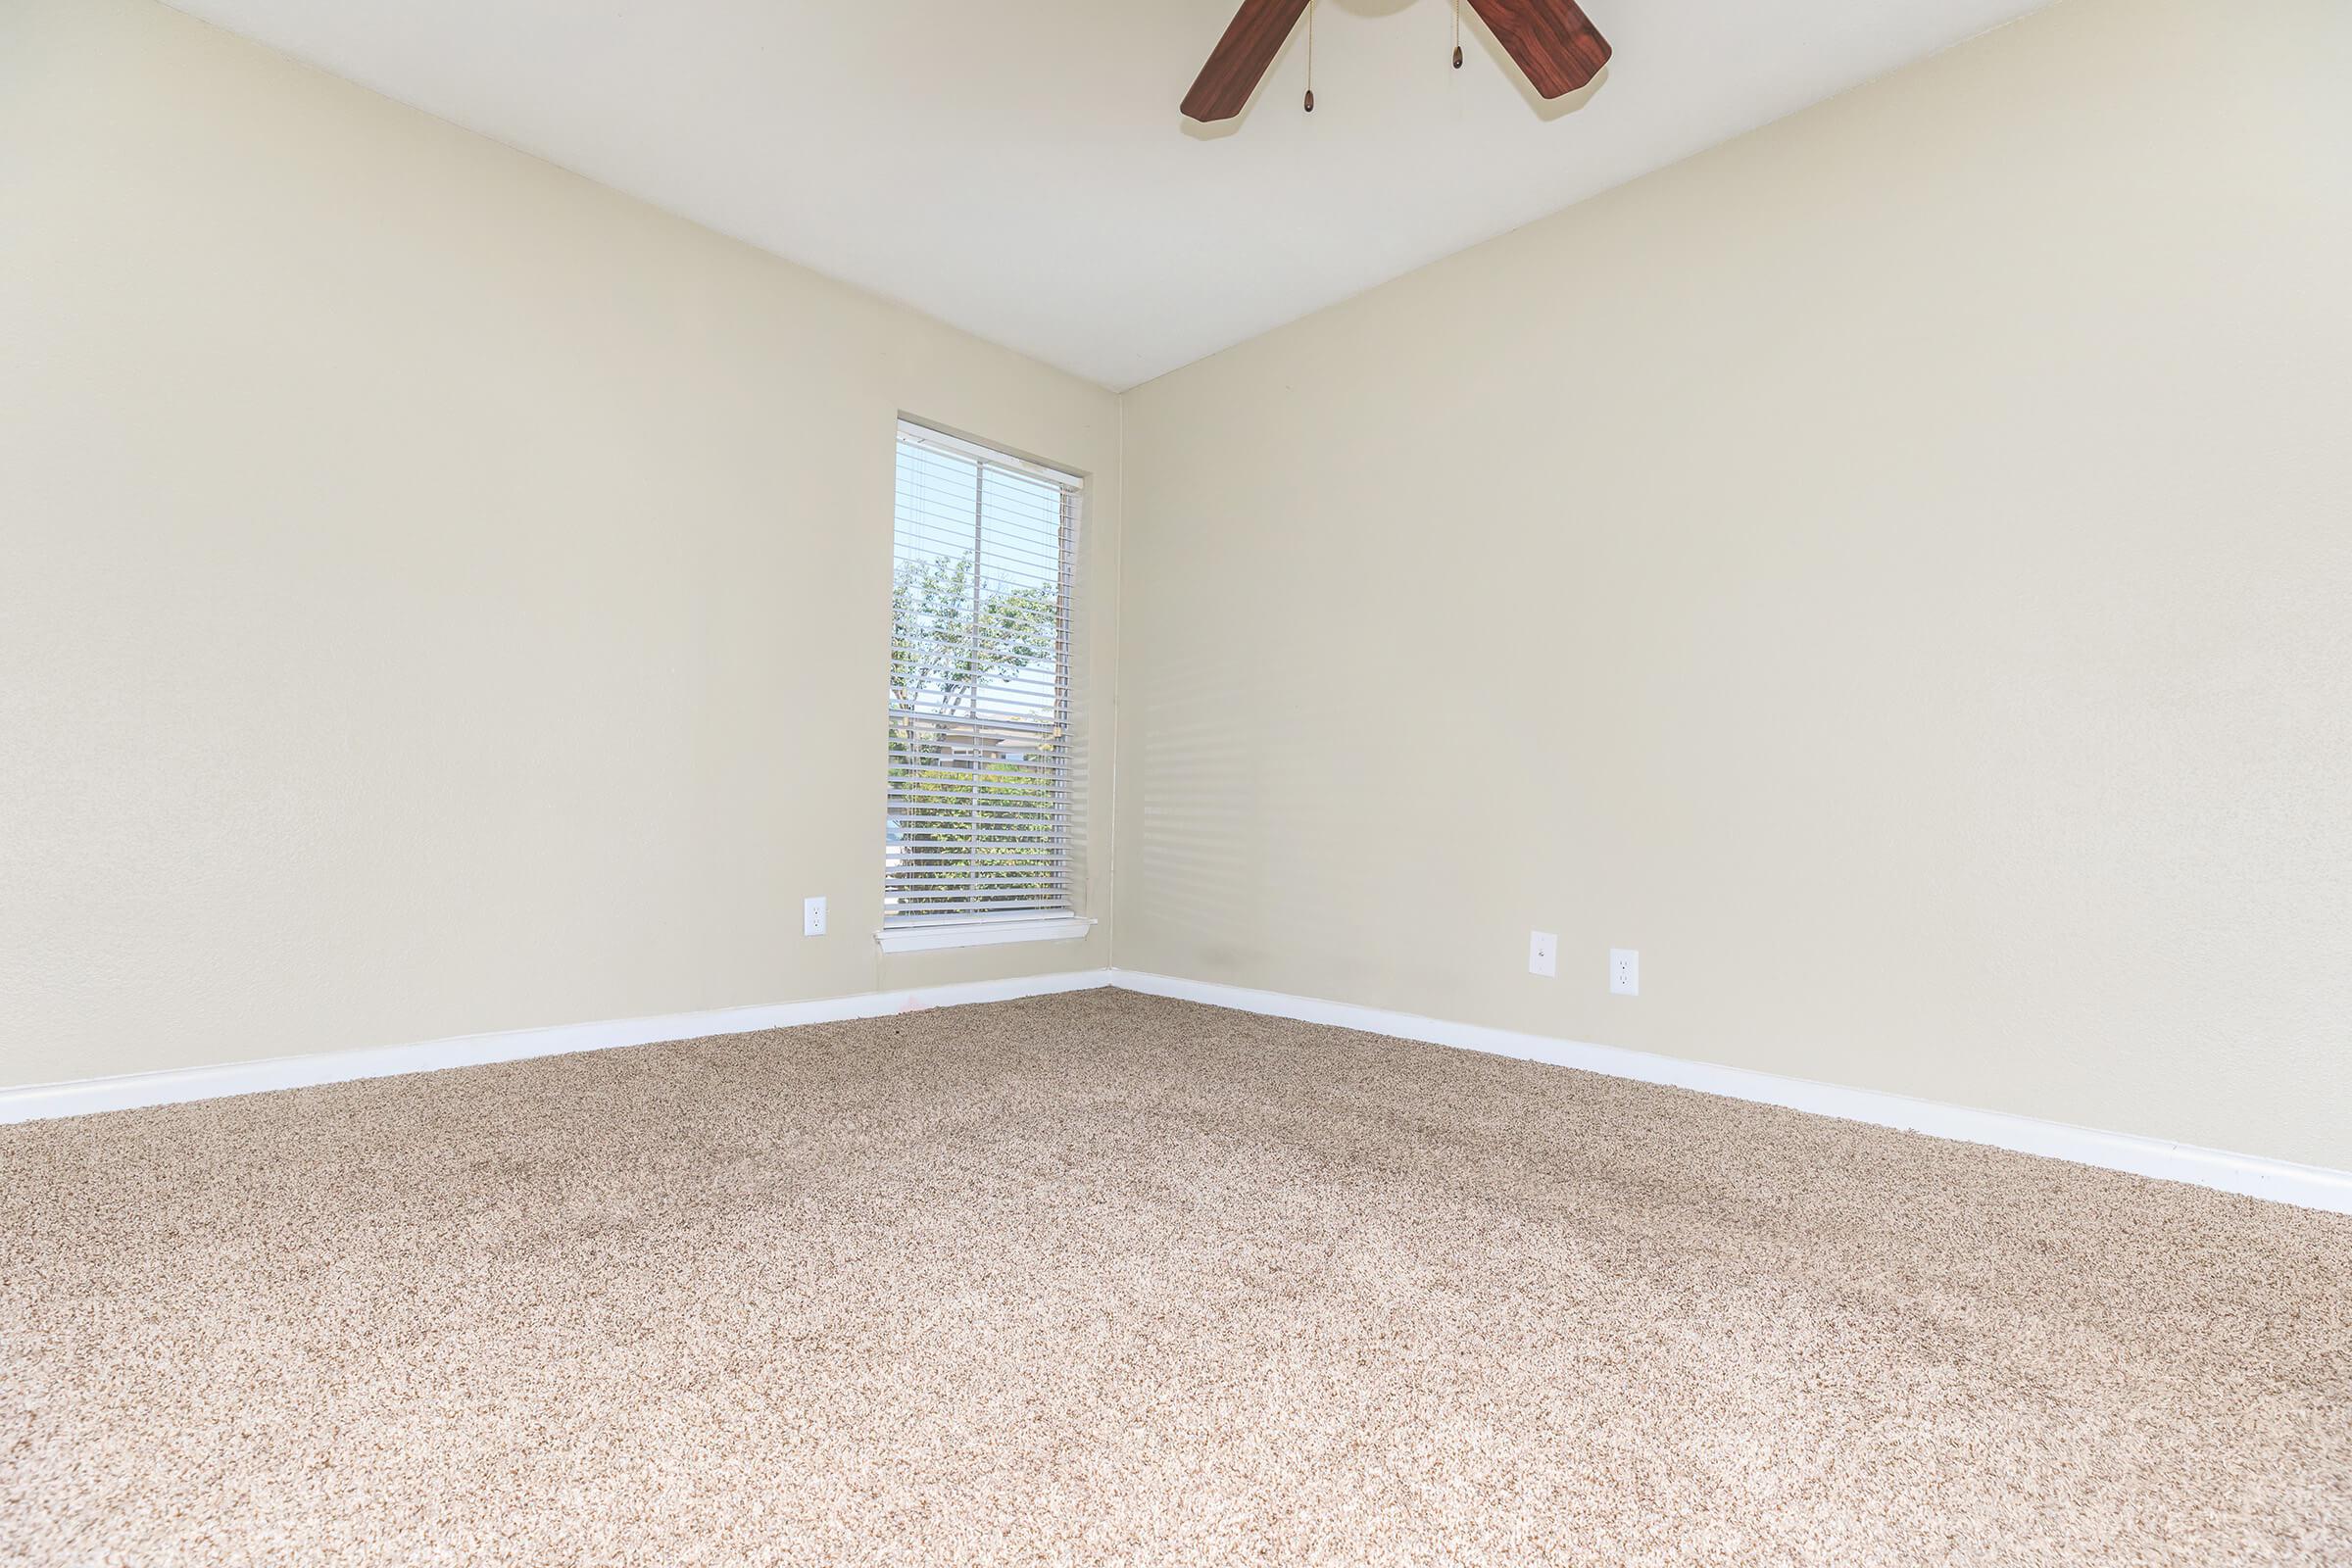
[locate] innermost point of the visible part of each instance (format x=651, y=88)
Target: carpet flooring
x=1102, y=1277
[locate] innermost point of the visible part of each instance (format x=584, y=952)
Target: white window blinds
x=983, y=769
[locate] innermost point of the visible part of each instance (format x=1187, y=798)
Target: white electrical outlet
x=1625, y=972
x=1542, y=952
x=812, y=917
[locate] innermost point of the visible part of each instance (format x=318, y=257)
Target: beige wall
x=439, y=595
x=1896, y=572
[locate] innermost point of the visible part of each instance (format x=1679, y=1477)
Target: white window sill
x=981, y=933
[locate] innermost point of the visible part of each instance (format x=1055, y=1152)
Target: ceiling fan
x=1552, y=40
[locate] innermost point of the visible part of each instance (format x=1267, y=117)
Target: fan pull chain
x=1457, y=34
x=1310, y=57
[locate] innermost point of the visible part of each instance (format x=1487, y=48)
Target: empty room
x=1557, y=782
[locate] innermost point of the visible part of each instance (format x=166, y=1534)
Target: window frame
x=968, y=927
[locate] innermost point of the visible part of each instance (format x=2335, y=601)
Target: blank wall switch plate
x=1542, y=952
x=1625, y=972
x=812, y=917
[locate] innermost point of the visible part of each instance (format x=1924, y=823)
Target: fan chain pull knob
x=1311, y=100
x=1458, y=57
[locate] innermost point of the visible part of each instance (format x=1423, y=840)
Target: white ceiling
x=1018, y=168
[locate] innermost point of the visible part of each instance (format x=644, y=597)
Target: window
x=982, y=762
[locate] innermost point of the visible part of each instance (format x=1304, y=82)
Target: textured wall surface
x=1895, y=571
x=439, y=595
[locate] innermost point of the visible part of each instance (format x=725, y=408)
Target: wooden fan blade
x=1554, y=43
x=1252, y=40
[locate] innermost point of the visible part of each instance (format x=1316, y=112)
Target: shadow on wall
x=1200, y=832
x=1255, y=832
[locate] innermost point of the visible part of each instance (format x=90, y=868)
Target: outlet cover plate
x=1625, y=972
x=1544, y=952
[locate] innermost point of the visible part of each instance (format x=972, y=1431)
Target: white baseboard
x=2305, y=1186
x=40, y=1101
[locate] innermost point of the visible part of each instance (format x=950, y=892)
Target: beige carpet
x=1105, y=1279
